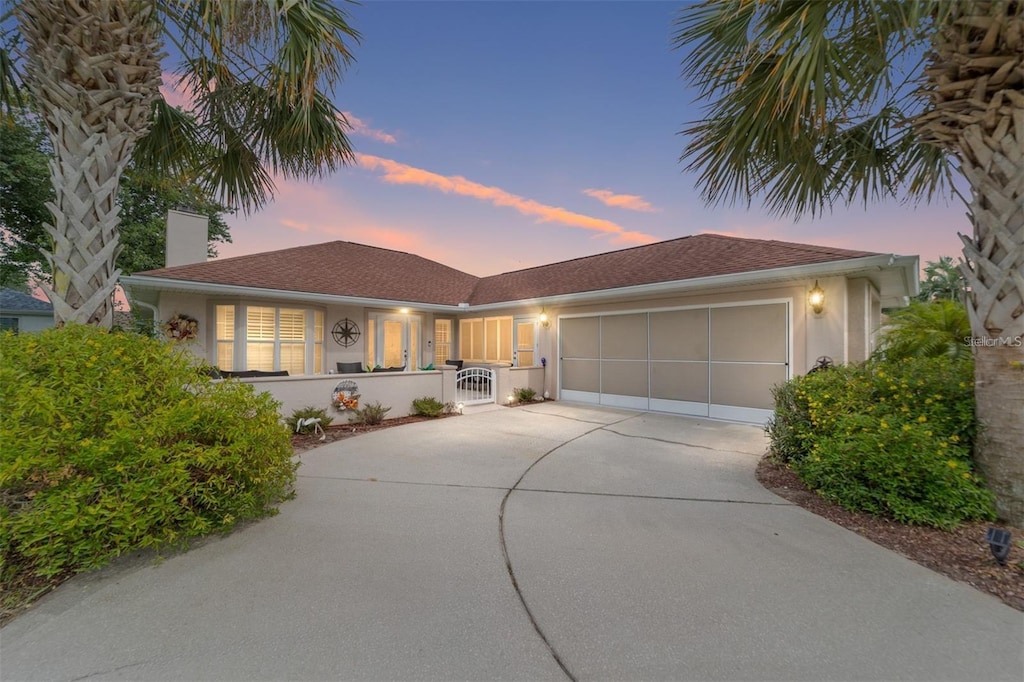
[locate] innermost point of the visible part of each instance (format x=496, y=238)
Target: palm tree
x=814, y=102
x=256, y=71
x=927, y=330
x=943, y=280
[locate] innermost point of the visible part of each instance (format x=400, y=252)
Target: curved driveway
x=631, y=546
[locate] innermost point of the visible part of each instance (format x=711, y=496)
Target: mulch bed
x=307, y=441
x=960, y=554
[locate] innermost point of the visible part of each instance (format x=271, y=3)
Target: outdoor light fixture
x=544, y=321
x=816, y=298
x=404, y=311
x=510, y=398
x=459, y=407
x=999, y=542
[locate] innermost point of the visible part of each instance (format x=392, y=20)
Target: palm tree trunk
x=94, y=69
x=994, y=167
x=976, y=80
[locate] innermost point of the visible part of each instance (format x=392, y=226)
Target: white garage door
x=713, y=361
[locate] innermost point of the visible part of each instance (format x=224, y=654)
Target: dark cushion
x=350, y=367
x=457, y=363
x=252, y=374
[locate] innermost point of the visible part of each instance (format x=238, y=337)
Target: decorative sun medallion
x=345, y=332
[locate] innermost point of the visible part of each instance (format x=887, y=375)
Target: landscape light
x=999, y=542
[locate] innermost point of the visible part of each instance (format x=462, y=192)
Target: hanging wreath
x=182, y=328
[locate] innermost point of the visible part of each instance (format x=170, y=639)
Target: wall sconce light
x=544, y=321
x=403, y=311
x=999, y=542
x=816, y=298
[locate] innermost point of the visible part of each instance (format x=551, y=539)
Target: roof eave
x=894, y=291
x=136, y=284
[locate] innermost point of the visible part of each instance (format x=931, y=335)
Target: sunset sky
x=494, y=136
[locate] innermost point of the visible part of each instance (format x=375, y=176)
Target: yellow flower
x=906, y=427
x=922, y=419
x=966, y=475
x=883, y=424
x=952, y=463
x=954, y=438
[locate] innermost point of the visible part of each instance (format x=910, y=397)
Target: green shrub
x=370, y=413
x=881, y=437
x=897, y=467
x=524, y=395
x=113, y=442
x=308, y=412
x=428, y=407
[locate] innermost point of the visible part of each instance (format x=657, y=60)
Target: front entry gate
x=474, y=386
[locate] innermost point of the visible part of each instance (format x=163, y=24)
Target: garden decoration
x=345, y=395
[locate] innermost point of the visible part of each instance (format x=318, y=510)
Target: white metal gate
x=474, y=386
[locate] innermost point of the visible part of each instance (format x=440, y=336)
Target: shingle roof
x=15, y=301
x=702, y=255
x=348, y=269
x=337, y=268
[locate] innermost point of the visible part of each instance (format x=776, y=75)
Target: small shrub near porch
x=114, y=442
x=889, y=438
x=430, y=407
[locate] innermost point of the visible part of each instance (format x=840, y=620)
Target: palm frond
x=804, y=104
x=11, y=83
x=258, y=75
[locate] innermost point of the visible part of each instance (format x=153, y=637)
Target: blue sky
x=494, y=136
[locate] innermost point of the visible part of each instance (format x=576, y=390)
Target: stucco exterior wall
x=395, y=390
x=864, y=319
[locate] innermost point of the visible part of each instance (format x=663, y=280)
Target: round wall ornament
x=345, y=332
x=345, y=395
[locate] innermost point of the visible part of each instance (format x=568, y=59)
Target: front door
x=525, y=342
x=395, y=341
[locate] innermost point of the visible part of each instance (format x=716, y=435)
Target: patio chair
x=350, y=367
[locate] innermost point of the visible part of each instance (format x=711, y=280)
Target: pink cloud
x=402, y=174
x=175, y=92
x=631, y=202
x=360, y=127
x=294, y=225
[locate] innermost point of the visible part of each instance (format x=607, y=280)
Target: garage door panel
x=624, y=337
x=581, y=375
x=680, y=381
x=679, y=335
x=749, y=333
x=716, y=361
x=745, y=385
x=624, y=377
x=579, y=337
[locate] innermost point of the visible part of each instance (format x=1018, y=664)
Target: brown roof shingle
x=348, y=269
x=702, y=255
x=336, y=268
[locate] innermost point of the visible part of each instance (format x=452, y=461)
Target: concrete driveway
x=632, y=547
